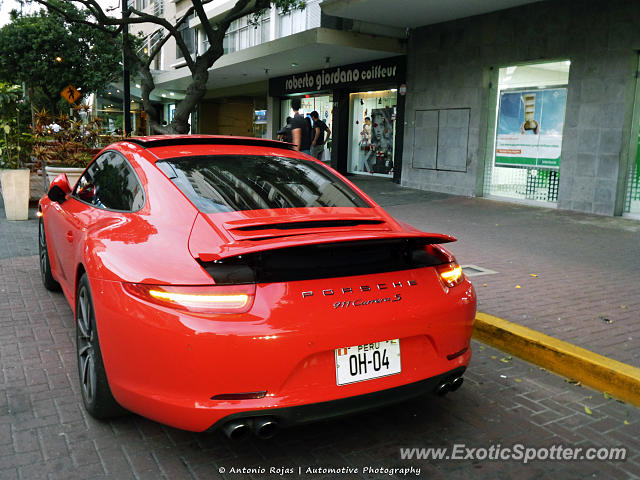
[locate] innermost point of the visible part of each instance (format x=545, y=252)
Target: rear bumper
x=170, y=366
x=301, y=414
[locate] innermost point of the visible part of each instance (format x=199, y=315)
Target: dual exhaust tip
x=266, y=427
x=263, y=428
x=449, y=385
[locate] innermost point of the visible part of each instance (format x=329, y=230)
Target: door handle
x=70, y=236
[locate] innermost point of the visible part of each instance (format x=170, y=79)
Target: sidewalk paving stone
x=586, y=288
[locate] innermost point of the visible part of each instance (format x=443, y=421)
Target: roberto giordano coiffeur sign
x=387, y=71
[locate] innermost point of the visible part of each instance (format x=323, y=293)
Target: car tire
x=94, y=387
x=45, y=265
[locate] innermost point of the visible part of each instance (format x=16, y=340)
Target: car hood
x=221, y=235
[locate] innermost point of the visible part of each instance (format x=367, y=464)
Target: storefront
x=323, y=104
x=109, y=110
x=631, y=206
x=529, y=127
x=362, y=104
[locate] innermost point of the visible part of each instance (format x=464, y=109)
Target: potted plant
x=63, y=144
x=14, y=150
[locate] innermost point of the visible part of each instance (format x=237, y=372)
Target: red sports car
x=235, y=283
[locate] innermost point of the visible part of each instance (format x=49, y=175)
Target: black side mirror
x=56, y=194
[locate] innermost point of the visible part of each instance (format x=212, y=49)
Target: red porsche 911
x=235, y=283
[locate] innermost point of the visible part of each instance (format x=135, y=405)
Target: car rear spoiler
x=245, y=247
x=307, y=259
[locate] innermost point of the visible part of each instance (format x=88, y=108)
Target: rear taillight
x=197, y=299
x=450, y=274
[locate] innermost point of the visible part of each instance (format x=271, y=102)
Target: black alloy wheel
x=45, y=265
x=94, y=388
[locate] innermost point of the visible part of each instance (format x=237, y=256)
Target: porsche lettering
x=327, y=292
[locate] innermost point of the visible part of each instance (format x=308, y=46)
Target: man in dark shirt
x=284, y=134
x=300, y=129
x=318, y=139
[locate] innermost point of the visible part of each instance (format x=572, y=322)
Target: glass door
x=632, y=196
x=632, y=204
x=323, y=104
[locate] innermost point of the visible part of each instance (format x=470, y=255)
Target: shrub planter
x=15, y=193
x=73, y=173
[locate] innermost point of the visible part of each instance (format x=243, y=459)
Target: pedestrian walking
x=318, y=132
x=284, y=134
x=300, y=129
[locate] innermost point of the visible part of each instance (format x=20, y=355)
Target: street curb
x=596, y=371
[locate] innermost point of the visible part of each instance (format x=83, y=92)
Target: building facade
x=518, y=100
x=469, y=83
x=361, y=105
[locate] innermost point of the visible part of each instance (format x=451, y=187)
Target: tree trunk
x=195, y=93
x=147, y=85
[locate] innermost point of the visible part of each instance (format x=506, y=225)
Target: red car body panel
x=167, y=364
x=177, y=362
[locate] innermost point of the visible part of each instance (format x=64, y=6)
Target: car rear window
x=226, y=183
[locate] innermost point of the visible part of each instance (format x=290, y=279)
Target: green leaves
x=30, y=46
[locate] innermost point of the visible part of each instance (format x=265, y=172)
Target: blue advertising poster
x=529, y=132
x=259, y=116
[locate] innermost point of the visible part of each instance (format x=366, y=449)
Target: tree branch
x=173, y=31
x=156, y=49
x=74, y=19
x=105, y=20
x=199, y=65
x=206, y=25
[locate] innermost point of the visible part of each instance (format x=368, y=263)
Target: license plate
x=366, y=362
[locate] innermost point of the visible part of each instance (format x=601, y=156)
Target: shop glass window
x=632, y=200
x=632, y=197
x=189, y=36
x=323, y=104
x=293, y=22
x=372, y=132
x=526, y=154
x=244, y=33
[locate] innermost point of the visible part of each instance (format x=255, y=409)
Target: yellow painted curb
x=616, y=378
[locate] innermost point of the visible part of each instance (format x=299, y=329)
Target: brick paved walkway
x=586, y=288
x=45, y=433
x=18, y=239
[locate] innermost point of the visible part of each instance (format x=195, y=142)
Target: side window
x=110, y=183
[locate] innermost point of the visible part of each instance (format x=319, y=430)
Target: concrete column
x=273, y=116
x=340, y=131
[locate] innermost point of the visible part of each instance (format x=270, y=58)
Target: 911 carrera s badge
x=361, y=302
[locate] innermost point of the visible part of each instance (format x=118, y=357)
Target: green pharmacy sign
x=529, y=130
